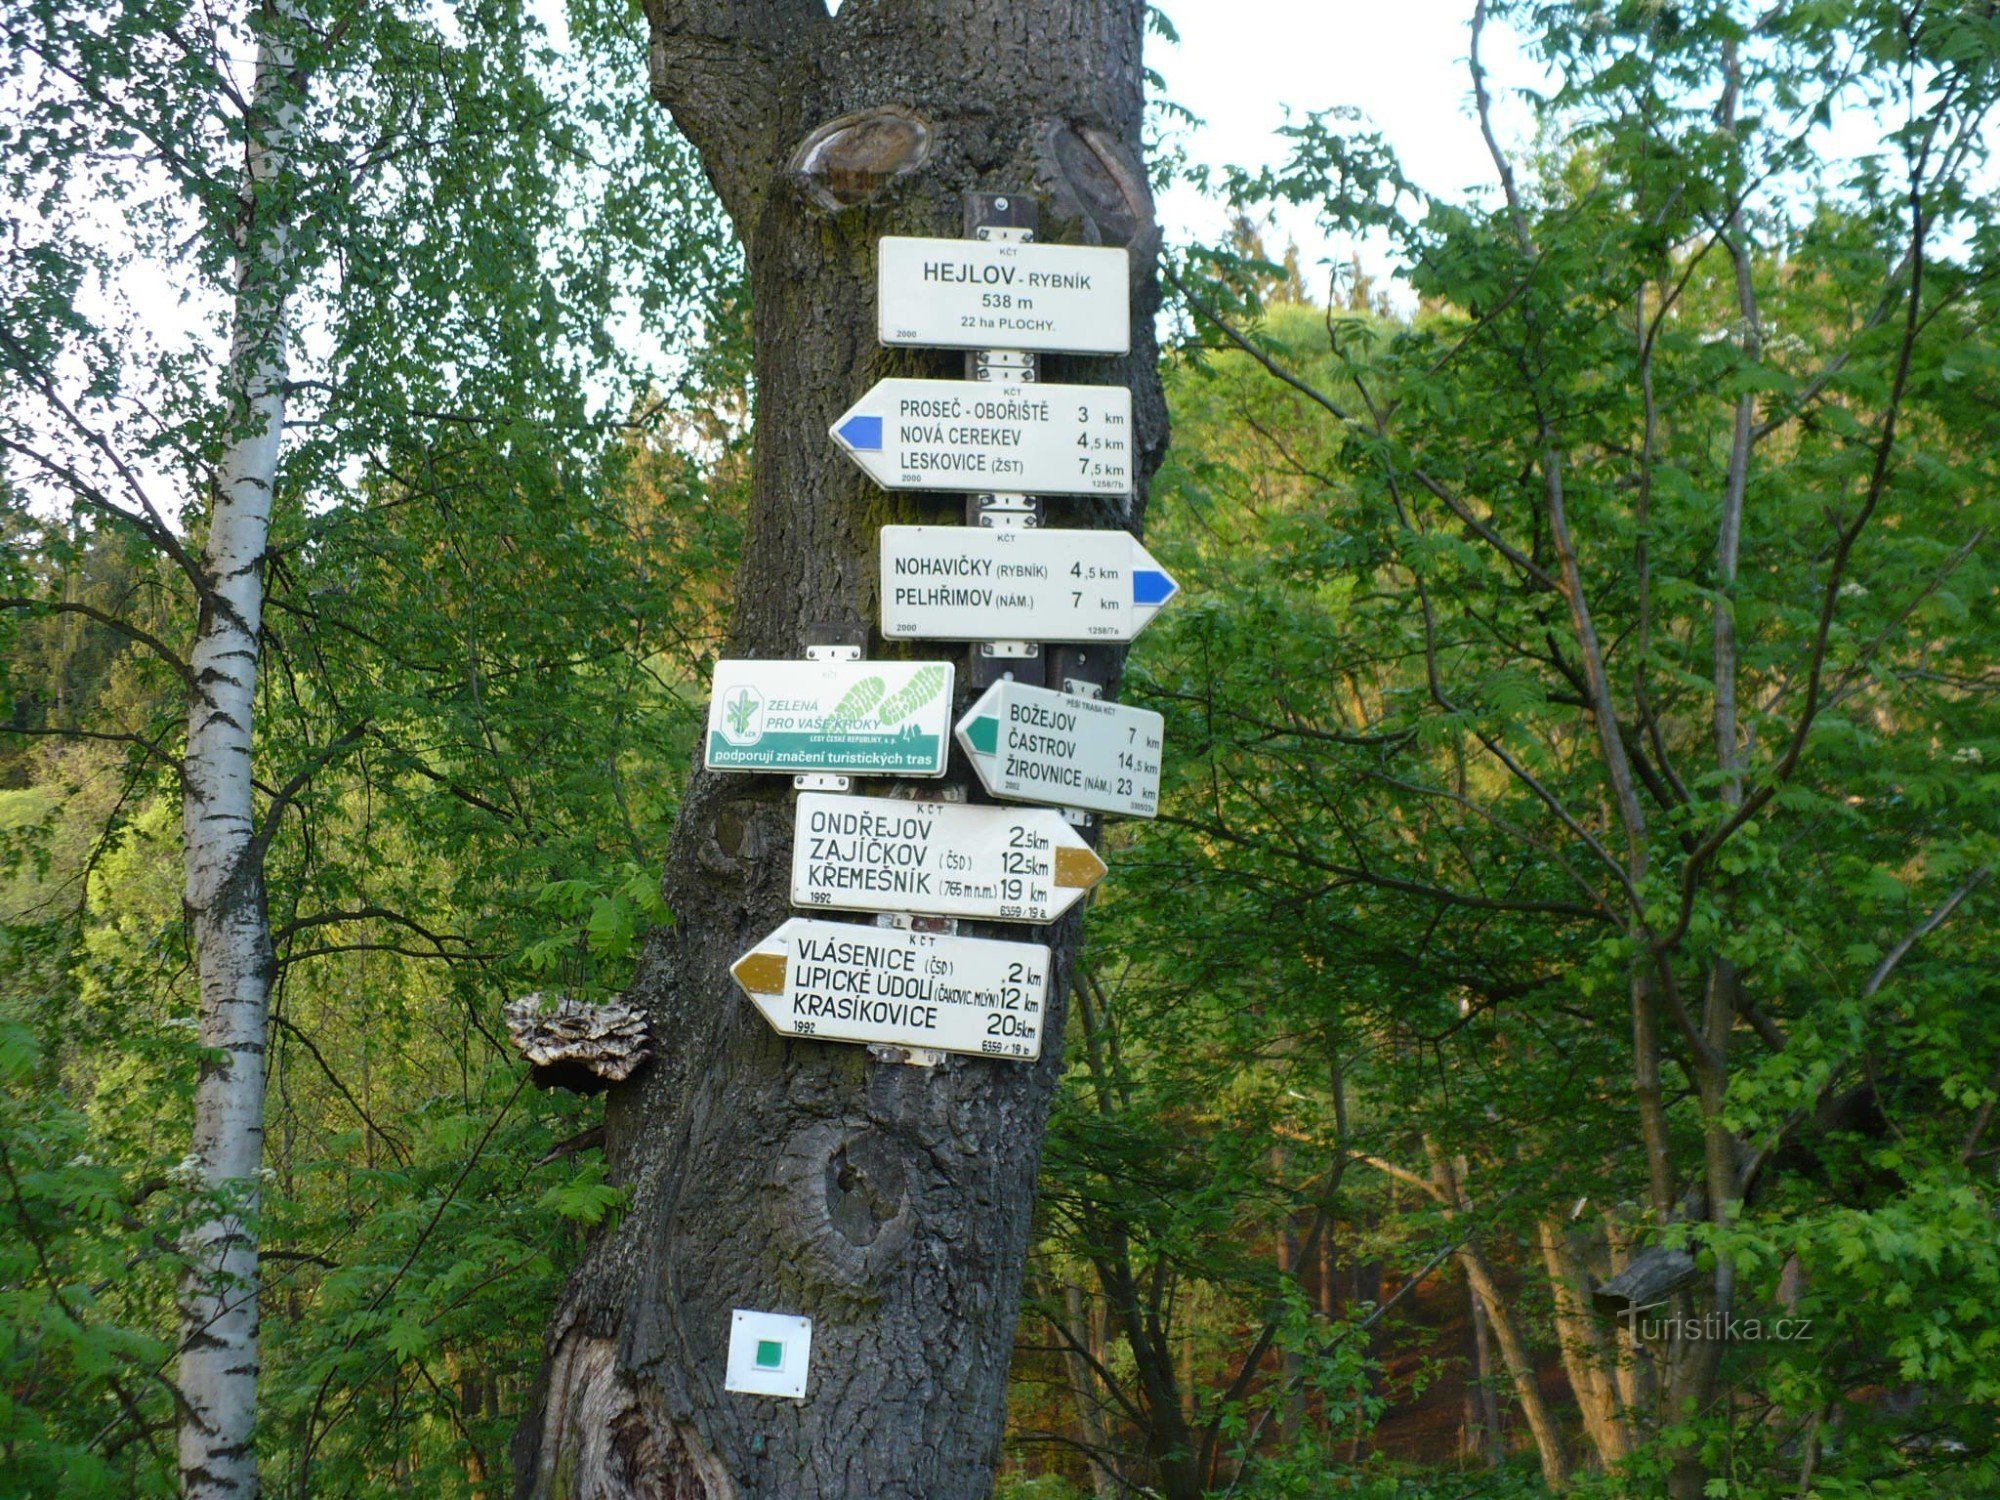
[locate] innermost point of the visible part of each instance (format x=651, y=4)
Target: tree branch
x=1387, y=882
x=718, y=66
x=282, y=798
x=401, y=1151
x=1849, y=535
x=1922, y=930
x=367, y=914
x=110, y=621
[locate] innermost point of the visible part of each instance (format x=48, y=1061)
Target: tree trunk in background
x=1588, y=1357
x=1520, y=1363
x=1483, y=1438
x=224, y=867
x=1285, y=1243
x=1506, y=1330
x=891, y=1204
x=1087, y=1328
x=1156, y=1402
x=1160, y=1379
x=1633, y=1365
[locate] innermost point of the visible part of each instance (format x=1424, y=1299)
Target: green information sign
x=838, y=718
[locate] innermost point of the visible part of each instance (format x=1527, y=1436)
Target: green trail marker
x=769, y=1354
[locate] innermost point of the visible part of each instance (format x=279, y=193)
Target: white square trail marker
x=768, y=1353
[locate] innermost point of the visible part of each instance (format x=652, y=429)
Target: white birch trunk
x=226, y=907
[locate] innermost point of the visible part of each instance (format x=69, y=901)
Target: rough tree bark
x=222, y=852
x=889, y=1203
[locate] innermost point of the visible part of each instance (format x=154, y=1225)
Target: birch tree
x=226, y=904
x=162, y=101
x=191, y=190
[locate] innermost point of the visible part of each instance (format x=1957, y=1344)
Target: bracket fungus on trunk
x=572, y=1044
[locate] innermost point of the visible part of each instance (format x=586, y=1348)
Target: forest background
x=1547, y=1041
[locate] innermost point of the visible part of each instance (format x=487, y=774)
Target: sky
x=1243, y=66
x=1246, y=66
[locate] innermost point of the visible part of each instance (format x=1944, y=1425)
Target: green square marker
x=768, y=1354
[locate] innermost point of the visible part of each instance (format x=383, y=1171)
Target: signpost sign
x=842, y=718
x=840, y=982
x=1008, y=864
x=959, y=583
x=1029, y=744
x=957, y=435
x=977, y=294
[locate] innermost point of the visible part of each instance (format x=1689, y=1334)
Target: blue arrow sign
x=862, y=434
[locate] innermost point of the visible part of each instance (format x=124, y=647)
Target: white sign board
x=841, y=982
x=978, y=294
x=966, y=435
x=841, y=718
x=968, y=583
x=1033, y=745
x=1007, y=864
x=768, y=1354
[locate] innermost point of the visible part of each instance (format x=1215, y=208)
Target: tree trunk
x=224, y=891
x=1163, y=1388
x=1514, y=1351
x=1520, y=1363
x=1291, y=1377
x=1159, y=1397
x=1086, y=1328
x=1483, y=1438
x=1636, y=1386
x=890, y=1204
x=1586, y=1356
x=1694, y=1360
